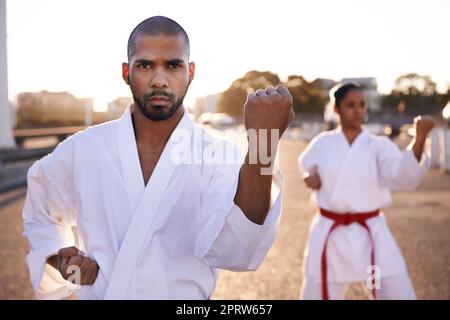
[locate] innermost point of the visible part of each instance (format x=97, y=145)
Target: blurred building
x=49, y=109
x=117, y=107
x=325, y=85
x=207, y=104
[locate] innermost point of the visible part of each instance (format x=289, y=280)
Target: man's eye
x=144, y=65
x=176, y=65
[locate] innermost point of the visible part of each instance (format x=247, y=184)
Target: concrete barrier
x=445, y=150
x=12, y=155
x=14, y=175
x=14, y=165
x=433, y=147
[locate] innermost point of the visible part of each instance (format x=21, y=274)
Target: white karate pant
x=395, y=287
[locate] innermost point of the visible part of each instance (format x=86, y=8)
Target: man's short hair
x=156, y=26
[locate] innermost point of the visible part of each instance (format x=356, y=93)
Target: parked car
x=216, y=119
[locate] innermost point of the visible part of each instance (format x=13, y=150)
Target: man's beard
x=155, y=112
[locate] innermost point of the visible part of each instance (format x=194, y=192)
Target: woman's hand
x=312, y=179
x=423, y=125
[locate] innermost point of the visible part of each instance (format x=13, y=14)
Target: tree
x=233, y=99
x=307, y=97
x=414, y=84
x=415, y=94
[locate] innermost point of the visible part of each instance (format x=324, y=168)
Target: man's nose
x=159, y=81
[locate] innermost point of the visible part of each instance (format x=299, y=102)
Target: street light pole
x=6, y=136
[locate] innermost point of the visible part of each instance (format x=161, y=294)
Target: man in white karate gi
x=153, y=222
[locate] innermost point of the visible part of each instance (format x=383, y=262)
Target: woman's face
x=352, y=110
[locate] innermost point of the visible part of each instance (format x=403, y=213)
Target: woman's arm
x=404, y=170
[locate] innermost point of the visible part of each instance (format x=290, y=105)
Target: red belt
x=344, y=219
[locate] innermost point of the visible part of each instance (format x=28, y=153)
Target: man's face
x=159, y=74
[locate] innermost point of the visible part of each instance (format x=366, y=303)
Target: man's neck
x=151, y=133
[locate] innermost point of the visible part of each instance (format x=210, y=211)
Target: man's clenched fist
x=70, y=260
x=269, y=109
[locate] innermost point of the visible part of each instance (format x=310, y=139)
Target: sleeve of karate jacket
x=309, y=158
x=400, y=170
x=229, y=239
x=49, y=214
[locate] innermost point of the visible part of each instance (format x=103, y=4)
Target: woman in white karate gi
x=352, y=174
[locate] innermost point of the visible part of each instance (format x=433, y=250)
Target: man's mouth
x=159, y=98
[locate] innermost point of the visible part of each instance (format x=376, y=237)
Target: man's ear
x=191, y=71
x=125, y=73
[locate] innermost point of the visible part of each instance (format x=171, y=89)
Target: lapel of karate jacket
x=144, y=200
x=353, y=152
